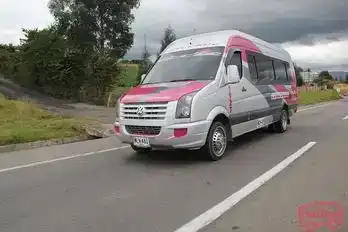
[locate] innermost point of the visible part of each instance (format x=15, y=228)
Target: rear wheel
x=282, y=125
x=216, y=143
x=140, y=150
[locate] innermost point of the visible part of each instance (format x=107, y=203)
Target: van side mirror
x=232, y=74
x=142, y=77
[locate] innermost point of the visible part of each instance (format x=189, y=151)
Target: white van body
x=207, y=89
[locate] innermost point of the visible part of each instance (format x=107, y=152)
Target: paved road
x=64, y=188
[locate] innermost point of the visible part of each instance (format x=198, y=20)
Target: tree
x=299, y=81
x=168, y=37
x=52, y=66
x=145, y=64
x=325, y=75
x=324, y=78
x=8, y=56
x=102, y=26
x=347, y=78
x=299, y=78
x=77, y=57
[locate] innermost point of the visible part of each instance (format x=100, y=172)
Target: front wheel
x=216, y=143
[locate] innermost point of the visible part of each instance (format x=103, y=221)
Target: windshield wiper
x=188, y=79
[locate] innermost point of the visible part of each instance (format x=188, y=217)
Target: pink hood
x=162, y=92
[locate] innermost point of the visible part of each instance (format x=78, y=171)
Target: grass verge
x=308, y=98
x=22, y=122
x=126, y=79
x=129, y=74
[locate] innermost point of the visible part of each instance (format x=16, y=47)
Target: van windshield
x=194, y=64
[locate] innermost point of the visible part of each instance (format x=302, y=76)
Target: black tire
x=141, y=150
x=213, y=134
x=269, y=129
x=282, y=125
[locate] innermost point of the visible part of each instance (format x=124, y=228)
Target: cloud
x=302, y=22
x=18, y=14
x=303, y=26
x=321, y=56
x=276, y=20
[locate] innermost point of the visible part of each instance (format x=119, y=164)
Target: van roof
x=220, y=38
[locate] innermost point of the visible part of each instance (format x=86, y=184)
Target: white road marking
x=345, y=118
x=60, y=159
x=314, y=107
x=215, y=212
x=107, y=150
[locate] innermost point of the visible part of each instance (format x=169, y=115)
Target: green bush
x=53, y=67
x=100, y=79
x=48, y=63
x=331, y=84
x=9, y=59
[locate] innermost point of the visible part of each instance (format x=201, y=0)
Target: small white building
x=308, y=76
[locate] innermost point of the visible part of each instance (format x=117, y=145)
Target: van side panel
x=244, y=94
x=276, y=93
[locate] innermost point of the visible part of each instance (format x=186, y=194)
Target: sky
x=314, y=32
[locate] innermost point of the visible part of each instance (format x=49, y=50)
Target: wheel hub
x=284, y=121
x=219, y=141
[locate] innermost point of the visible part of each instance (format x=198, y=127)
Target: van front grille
x=144, y=111
x=143, y=130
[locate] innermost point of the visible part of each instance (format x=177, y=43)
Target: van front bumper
x=195, y=136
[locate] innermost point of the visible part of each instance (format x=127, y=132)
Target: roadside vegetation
x=128, y=78
x=22, y=121
x=314, y=97
x=77, y=56
x=128, y=75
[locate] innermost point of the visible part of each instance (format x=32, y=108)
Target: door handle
x=244, y=89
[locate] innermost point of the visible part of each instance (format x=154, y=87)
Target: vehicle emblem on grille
x=140, y=111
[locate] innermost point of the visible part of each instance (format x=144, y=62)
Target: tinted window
x=288, y=71
x=195, y=64
x=252, y=67
x=236, y=59
x=264, y=69
x=280, y=70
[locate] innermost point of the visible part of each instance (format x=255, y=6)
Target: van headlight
x=183, y=108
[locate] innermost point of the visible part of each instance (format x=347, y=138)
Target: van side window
x=252, y=67
x=280, y=70
x=236, y=59
x=288, y=71
x=265, y=69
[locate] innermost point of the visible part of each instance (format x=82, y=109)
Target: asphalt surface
x=72, y=188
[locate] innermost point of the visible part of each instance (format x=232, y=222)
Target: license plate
x=141, y=142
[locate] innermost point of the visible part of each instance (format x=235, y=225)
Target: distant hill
x=338, y=75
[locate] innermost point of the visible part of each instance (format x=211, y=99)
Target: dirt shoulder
x=15, y=92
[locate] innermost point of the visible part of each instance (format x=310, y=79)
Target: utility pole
x=145, y=52
x=145, y=45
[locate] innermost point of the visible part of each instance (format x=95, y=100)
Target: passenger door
x=241, y=94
